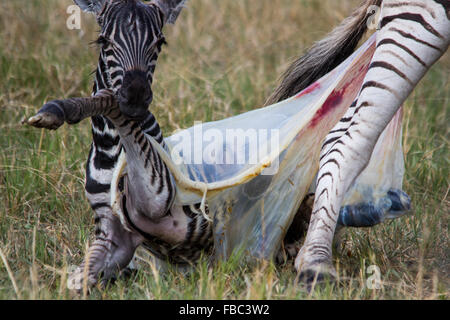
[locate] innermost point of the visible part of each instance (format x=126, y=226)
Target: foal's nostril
x=135, y=95
x=136, y=92
x=135, y=89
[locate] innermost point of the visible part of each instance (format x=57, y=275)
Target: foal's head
x=130, y=38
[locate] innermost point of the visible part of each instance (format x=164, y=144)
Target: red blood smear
x=311, y=88
x=336, y=97
x=333, y=100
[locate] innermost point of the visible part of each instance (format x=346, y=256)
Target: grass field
x=223, y=58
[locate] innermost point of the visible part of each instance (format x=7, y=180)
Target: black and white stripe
x=130, y=40
x=412, y=36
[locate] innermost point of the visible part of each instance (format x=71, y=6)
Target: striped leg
x=112, y=251
x=400, y=61
x=113, y=247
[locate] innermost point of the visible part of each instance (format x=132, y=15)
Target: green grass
x=223, y=58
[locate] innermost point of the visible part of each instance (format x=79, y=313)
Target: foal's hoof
x=50, y=116
x=45, y=120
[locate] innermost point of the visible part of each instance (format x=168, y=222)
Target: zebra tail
x=324, y=55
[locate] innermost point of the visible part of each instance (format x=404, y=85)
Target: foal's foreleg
x=114, y=246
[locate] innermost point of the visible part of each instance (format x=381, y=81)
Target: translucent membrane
x=253, y=199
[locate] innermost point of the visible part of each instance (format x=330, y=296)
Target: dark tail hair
x=324, y=55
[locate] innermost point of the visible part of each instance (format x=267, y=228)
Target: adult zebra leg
x=400, y=61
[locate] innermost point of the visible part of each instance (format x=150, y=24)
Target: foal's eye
x=102, y=41
x=161, y=41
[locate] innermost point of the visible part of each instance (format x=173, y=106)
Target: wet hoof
x=400, y=203
x=127, y=273
x=395, y=204
x=110, y=278
x=50, y=116
x=45, y=120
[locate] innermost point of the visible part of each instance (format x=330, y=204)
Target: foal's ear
x=93, y=6
x=170, y=8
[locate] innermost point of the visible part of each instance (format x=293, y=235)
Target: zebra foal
x=130, y=41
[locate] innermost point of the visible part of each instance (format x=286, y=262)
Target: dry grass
x=223, y=58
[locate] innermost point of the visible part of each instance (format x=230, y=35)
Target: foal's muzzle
x=135, y=95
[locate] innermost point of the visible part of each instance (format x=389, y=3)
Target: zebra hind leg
x=339, y=167
x=399, y=62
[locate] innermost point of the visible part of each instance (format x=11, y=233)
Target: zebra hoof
x=317, y=274
x=106, y=280
x=400, y=203
x=45, y=120
x=127, y=273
